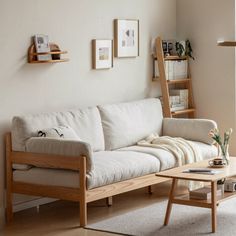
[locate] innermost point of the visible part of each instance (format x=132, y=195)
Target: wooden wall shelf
x=226, y=43
x=55, y=52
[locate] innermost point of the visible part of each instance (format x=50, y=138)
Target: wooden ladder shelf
x=185, y=83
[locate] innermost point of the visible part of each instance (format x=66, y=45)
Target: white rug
x=184, y=221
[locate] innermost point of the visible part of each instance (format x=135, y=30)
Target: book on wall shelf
x=173, y=74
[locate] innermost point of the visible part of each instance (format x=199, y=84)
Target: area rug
x=184, y=221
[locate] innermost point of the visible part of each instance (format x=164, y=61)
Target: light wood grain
x=59, y=192
x=124, y=186
x=177, y=173
x=164, y=87
x=50, y=61
x=213, y=205
x=227, y=43
x=55, y=50
x=46, y=160
x=185, y=200
x=226, y=172
x=82, y=200
x=181, y=112
x=80, y=194
x=9, y=178
x=170, y=201
x=177, y=84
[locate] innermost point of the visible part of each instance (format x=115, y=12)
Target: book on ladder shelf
x=173, y=73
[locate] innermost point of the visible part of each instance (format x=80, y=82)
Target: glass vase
x=224, y=154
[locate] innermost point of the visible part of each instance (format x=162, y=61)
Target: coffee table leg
x=171, y=197
x=213, y=205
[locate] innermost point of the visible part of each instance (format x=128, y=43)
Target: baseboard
x=33, y=203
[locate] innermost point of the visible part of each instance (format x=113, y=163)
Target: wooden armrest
x=48, y=160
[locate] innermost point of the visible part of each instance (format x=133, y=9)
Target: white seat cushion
x=115, y=166
x=109, y=167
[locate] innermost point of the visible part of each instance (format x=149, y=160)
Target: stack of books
x=203, y=193
x=178, y=99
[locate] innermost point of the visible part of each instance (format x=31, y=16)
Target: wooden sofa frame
x=81, y=194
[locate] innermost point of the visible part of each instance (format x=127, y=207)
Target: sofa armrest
x=61, y=147
x=191, y=129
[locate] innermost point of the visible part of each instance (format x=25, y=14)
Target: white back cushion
x=125, y=124
x=85, y=122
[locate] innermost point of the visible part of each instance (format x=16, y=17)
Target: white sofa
x=108, y=135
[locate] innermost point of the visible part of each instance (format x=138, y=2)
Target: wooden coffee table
x=177, y=173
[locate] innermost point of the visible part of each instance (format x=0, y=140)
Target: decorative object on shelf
x=180, y=48
x=167, y=47
x=43, y=52
x=126, y=38
x=223, y=144
x=189, y=50
x=184, y=48
x=102, y=54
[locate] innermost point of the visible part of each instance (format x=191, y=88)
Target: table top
x=177, y=172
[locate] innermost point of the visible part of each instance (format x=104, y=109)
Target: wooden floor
x=61, y=217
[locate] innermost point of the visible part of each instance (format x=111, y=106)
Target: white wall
x=26, y=88
x=213, y=71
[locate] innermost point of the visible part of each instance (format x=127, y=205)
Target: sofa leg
x=9, y=211
x=109, y=201
x=150, y=189
x=83, y=214
x=9, y=179
x=82, y=200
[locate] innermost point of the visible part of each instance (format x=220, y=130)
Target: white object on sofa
x=62, y=131
x=122, y=125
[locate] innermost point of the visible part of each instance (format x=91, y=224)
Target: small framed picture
x=102, y=53
x=126, y=40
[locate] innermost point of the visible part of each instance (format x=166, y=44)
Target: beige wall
x=213, y=71
x=26, y=88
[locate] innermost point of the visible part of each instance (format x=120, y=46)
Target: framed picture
x=102, y=54
x=126, y=38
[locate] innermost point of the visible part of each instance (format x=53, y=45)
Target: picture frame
x=126, y=38
x=102, y=54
